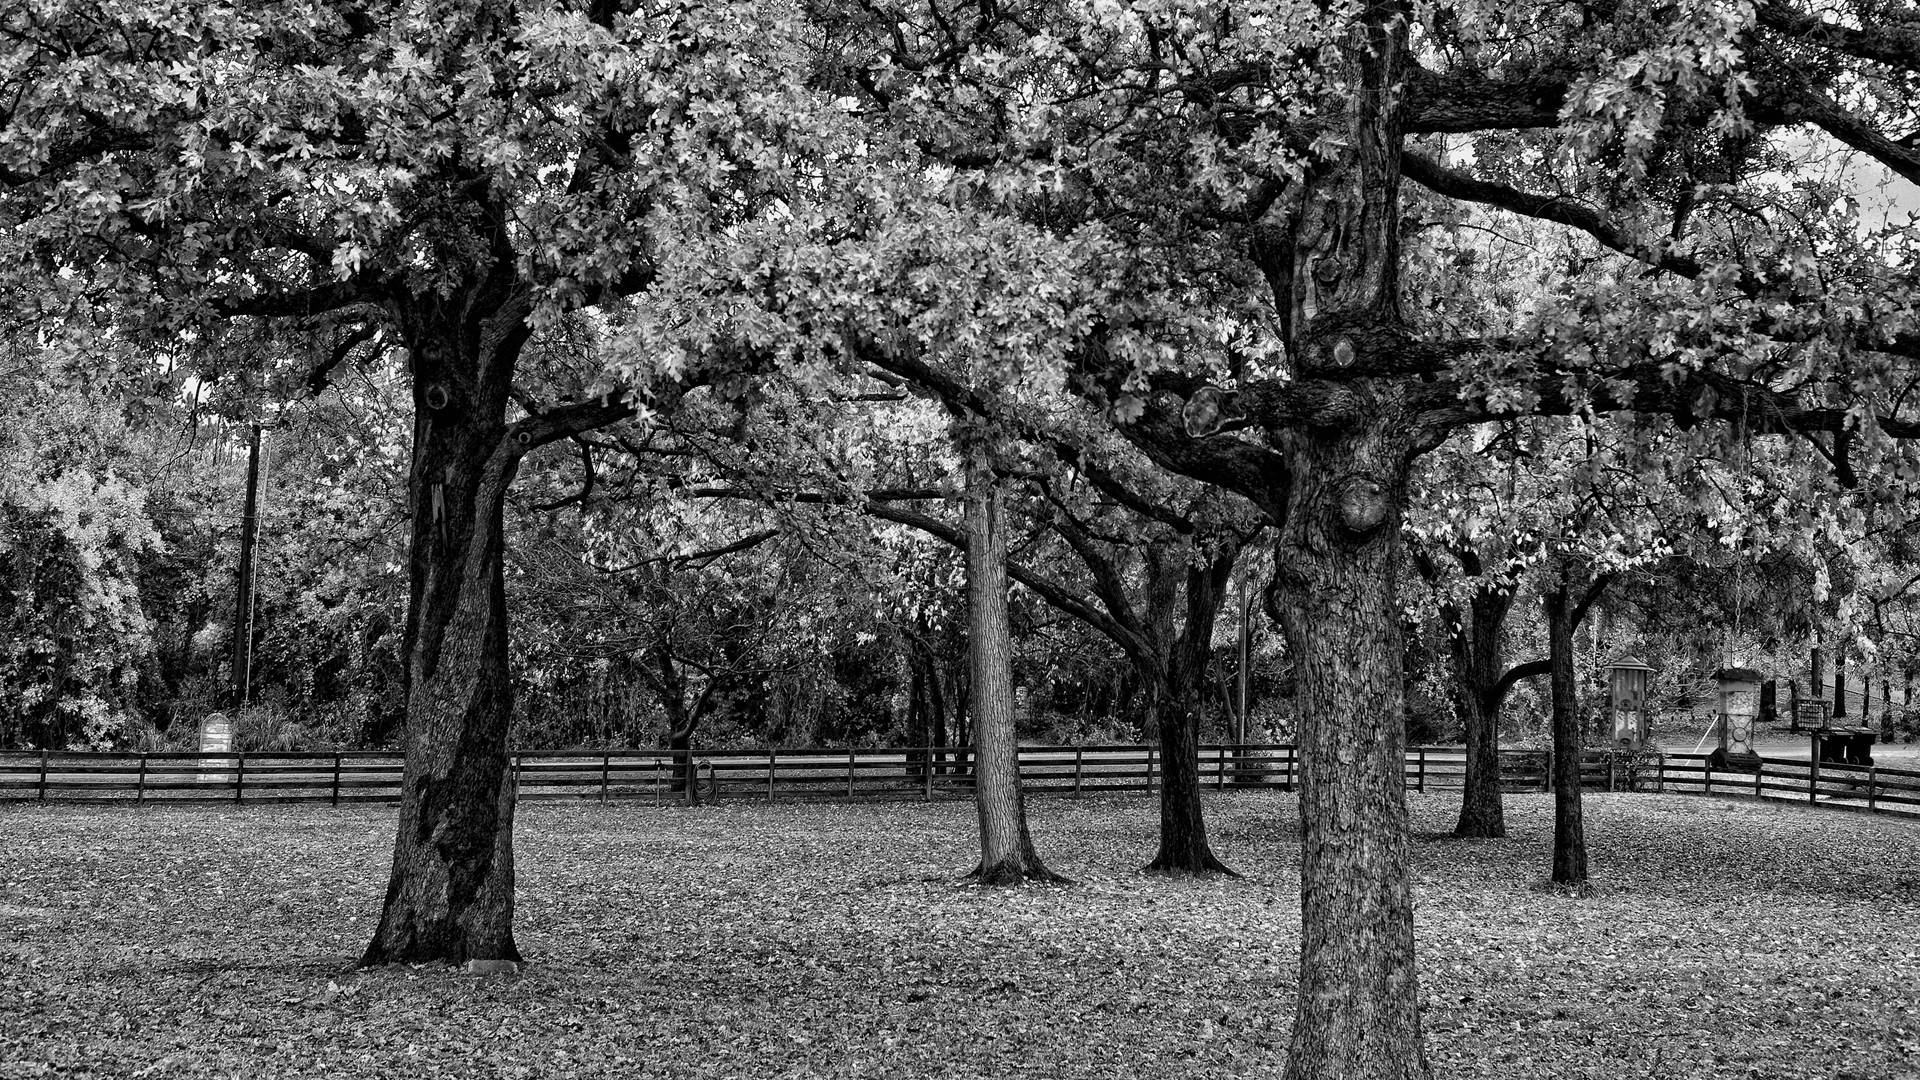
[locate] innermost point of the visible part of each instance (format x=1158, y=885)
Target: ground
x=1723, y=939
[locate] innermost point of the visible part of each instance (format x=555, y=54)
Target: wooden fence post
x=1813, y=777
x=1546, y=774
x=140, y=795
x=43, y=776
x=1420, y=776
x=336, y=779
x=1660, y=774
x=772, y=762
x=926, y=775
x=850, y=770
x=1873, y=785
x=1287, y=783
x=1079, y=756
x=1149, y=770
x=1706, y=772
x=1757, y=775
x=606, y=774
x=239, y=776
x=1220, y=768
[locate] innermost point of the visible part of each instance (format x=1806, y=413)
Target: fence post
x=926, y=775
x=1873, y=785
x=1220, y=768
x=141, y=795
x=336, y=779
x=771, y=763
x=1660, y=774
x=1079, y=754
x=1546, y=774
x=239, y=776
x=1758, y=774
x=1287, y=783
x=43, y=776
x=1149, y=770
x=1706, y=771
x=1813, y=777
x=1016, y=768
x=1420, y=777
x=606, y=774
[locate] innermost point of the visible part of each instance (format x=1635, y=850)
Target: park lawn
x=1722, y=939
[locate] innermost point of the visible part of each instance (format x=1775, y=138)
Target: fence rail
x=888, y=773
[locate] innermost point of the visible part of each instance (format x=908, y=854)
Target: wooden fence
x=770, y=775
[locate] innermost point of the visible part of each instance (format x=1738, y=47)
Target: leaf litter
x=1720, y=939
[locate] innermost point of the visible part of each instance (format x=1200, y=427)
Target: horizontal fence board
x=892, y=773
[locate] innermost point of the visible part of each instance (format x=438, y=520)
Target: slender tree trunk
x=1475, y=656
x=1337, y=565
x=1183, y=828
x=450, y=895
x=1007, y=855
x=1173, y=697
x=1569, y=837
x=1839, y=685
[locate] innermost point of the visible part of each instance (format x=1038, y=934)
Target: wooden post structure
x=43, y=775
x=239, y=775
x=849, y=772
x=336, y=779
x=1813, y=777
x=772, y=764
x=1420, y=777
x=1079, y=757
x=926, y=777
x=141, y=795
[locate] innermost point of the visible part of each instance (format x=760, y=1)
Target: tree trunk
x=1337, y=566
x=1474, y=654
x=1007, y=855
x=450, y=896
x=1183, y=829
x=1173, y=701
x=1569, y=837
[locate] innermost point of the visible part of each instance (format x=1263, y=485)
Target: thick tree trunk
x=1007, y=855
x=450, y=896
x=1569, y=836
x=1337, y=565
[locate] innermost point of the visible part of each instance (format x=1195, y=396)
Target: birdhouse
x=1739, y=708
x=1627, y=697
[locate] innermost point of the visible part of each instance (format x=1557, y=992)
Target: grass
x=1721, y=939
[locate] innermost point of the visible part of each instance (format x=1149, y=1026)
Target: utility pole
x=1246, y=638
x=243, y=594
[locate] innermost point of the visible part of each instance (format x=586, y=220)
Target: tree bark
x=450, y=895
x=1569, y=837
x=1007, y=855
x=1337, y=568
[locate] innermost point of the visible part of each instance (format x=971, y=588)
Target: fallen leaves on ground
x=1721, y=939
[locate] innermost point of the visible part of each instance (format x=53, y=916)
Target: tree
x=459, y=174
x=1198, y=162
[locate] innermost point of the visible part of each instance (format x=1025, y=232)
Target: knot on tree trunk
x=1363, y=506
